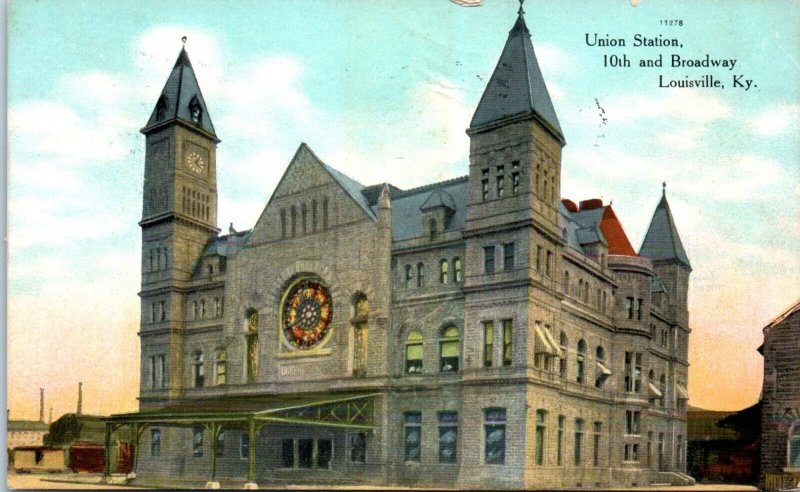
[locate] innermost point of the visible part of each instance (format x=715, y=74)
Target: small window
x=420, y=275
x=449, y=350
x=221, y=367
x=562, y=363
x=578, y=441
x=507, y=342
x=565, y=283
x=541, y=428
x=407, y=280
x=443, y=271
x=448, y=432
x=294, y=220
x=162, y=312
x=501, y=186
x=324, y=453
x=560, y=443
x=581, y=359
x=484, y=189
x=305, y=453
x=632, y=420
x=413, y=436
x=629, y=307
x=287, y=453
x=324, y=213
x=244, y=447
x=304, y=215
x=433, y=230
x=488, y=259
x=221, y=443
x=358, y=447
x=197, y=441
x=155, y=442
x=508, y=257
x=283, y=223
x=456, y=270
x=494, y=424
x=414, y=353
x=515, y=183
x=639, y=307
x=198, y=374
x=548, y=264
x=313, y=216
x=488, y=343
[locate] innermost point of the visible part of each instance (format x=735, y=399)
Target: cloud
x=777, y=120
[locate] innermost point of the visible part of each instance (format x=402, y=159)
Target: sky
x=383, y=91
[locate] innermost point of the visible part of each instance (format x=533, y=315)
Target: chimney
x=80, y=397
x=41, y=404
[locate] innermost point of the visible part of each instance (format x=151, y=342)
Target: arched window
x=283, y=223
x=195, y=110
x=304, y=214
x=449, y=349
x=581, y=358
x=794, y=447
x=313, y=216
x=324, y=213
x=565, y=284
x=562, y=364
x=202, y=308
x=414, y=353
x=198, y=371
x=221, y=367
x=407, y=280
x=456, y=270
x=662, y=386
x=420, y=274
x=217, y=307
x=443, y=271
x=601, y=371
x=294, y=220
x=360, y=334
x=194, y=310
x=251, y=338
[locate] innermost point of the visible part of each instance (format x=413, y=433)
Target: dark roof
x=226, y=245
x=407, y=206
x=662, y=241
x=517, y=88
x=351, y=186
x=180, y=94
x=27, y=425
x=792, y=309
x=598, y=224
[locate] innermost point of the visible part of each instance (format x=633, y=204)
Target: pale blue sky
x=383, y=92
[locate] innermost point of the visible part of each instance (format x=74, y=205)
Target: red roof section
x=618, y=243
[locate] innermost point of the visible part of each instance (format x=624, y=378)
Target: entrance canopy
x=351, y=410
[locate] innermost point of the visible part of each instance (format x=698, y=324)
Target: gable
x=304, y=172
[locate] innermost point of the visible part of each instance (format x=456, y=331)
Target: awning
x=556, y=347
x=654, y=392
x=542, y=344
x=355, y=411
x=603, y=369
x=681, y=391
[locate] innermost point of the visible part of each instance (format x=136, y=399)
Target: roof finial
x=521, y=11
x=183, y=39
x=664, y=188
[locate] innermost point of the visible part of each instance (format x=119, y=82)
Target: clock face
x=306, y=315
x=195, y=162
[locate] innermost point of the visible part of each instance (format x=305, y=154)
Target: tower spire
x=662, y=241
x=521, y=11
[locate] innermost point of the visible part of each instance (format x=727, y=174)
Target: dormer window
x=195, y=110
x=161, y=108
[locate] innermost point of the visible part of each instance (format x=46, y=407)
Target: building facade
x=477, y=332
x=780, y=398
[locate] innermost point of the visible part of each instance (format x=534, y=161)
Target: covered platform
x=249, y=413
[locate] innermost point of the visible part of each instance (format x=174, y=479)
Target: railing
x=780, y=481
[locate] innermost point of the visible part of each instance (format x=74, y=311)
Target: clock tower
x=179, y=217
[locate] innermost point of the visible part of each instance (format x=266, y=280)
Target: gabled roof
x=181, y=94
x=593, y=225
x=662, y=241
x=516, y=88
x=439, y=198
x=407, y=206
x=781, y=317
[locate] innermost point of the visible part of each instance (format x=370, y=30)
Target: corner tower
x=179, y=216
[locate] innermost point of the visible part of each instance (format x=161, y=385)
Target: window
x=202, y=308
x=631, y=452
x=548, y=264
x=560, y=443
x=507, y=341
x=793, y=451
x=488, y=343
x=252, y=345
x=414, y=353
x=488, y=259
x=221, y=367
x=639, y=306
x=494, y=425
x=161, y=371
x=294, y=220
x=313, y=216
x=565, y=283
x=162, y=312
x=448, y=431
x=197, y=441
x=598, y=429
x=194, y=310
x=324, y=453
x=152, y=371
x=433, y=231
x=198, y=373
x=541, y=428
x=221, y=443
x=407, y=281
x=648, y=457
x=485, y=189
x=539, y=251
x=456, y=270
x=581, y=357
x=217, y=307
x=632, y=420
x=420, y=274
x=287, y=453
x=679, y=453
x=155, y=442
x=629, y=306
x=358, y=447
x=304, y=214
x=324, y=213
x=244, y=447
x=562, y=363
x=633, y=372
x=449, y=350
x=508, y=257
x=413, y=436
x=501, y=187
x=601, y=371
x=443, y=273
x=515, y=183
x=662, y=386
x=578, y=441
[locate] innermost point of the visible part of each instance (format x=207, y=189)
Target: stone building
x=476, y=332
x=780, y=398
